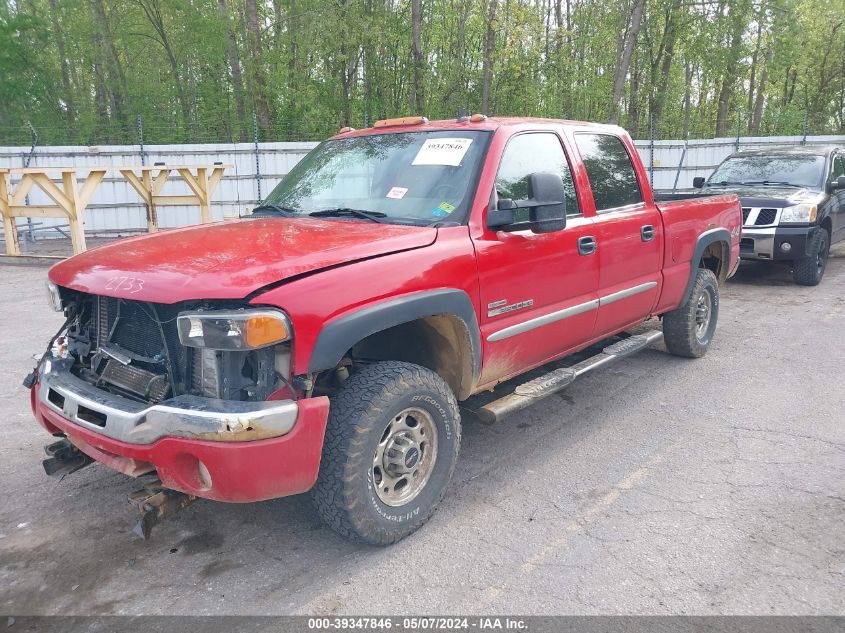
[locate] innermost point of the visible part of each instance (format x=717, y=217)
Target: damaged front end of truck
x=195, y=399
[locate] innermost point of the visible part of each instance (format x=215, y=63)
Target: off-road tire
x=681, y=327
x=808, y=271
x=362, y=409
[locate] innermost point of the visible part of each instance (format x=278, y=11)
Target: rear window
x=610, y=171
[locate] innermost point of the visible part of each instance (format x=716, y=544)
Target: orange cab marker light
x=405, y=120
x=477, y=118
x=346, y=129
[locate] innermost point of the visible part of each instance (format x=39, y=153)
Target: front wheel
x=391, y=444
x=688, y=330
x=808, y=271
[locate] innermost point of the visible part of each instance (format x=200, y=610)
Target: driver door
x=538, y=291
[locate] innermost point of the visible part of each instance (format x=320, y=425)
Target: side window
x=526, y=154
x=838, y=168
x=609, y=168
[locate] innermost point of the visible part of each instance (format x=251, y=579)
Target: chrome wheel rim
x=405, y=457
x=703, y=313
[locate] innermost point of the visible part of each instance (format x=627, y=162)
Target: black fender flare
x=338, y=336
x=704, y=240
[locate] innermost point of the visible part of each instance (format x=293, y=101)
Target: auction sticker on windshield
x=397, y=193
x=442, y=151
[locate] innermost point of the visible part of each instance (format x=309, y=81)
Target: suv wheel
x=688, y=330
x=391, y=444
x=808, y=271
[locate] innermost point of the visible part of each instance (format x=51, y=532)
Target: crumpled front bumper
x=217, y=449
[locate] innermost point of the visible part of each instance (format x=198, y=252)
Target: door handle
x=647, y=233
x=587, y=245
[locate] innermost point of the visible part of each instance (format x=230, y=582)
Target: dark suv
x=793, y=204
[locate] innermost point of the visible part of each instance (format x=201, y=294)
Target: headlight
x=54, y=296
x=233, y=329
x=798, y=214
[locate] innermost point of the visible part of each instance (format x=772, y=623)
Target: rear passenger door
x=629, y=233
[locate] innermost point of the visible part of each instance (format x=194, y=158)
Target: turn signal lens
x=233, y=329
x=263, y=330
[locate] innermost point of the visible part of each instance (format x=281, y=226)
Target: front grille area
x=752, y=216
x=132, y=348
x=766, y=217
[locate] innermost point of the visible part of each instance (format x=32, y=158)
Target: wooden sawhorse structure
x=70, y=200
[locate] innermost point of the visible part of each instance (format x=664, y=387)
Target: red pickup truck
x=323, y=343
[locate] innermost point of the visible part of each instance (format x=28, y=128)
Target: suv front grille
x=752, y=216
x=766, y=217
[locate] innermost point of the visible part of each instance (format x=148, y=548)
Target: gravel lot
x=658, y=486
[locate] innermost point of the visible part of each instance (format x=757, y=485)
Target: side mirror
x=546, y=207
x=698, y=182
x=836, y=185
x=549, y=214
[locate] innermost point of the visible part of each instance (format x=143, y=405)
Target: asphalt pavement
x=659, y=486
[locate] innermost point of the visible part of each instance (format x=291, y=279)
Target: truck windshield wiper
x=724, y=183
x=372, y=216
x=779, y=183
x=268, y=208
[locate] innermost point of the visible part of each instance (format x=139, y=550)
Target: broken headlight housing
x=54, y=296
x=798, y=214
x=233, y=330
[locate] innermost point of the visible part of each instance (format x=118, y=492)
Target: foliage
x=83, y=71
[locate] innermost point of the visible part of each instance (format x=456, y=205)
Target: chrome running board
x=532, y=391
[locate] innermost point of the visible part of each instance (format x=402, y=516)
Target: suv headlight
x=798, y=214
x=233, y=329
x=54, y=296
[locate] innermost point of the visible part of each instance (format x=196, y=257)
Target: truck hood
x=775, y=197
x=229, y=260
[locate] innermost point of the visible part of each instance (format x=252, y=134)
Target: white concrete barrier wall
x=115, y=205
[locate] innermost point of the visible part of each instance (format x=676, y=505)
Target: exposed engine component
x=132, y=348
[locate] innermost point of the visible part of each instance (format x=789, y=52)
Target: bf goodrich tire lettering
x=375, y=483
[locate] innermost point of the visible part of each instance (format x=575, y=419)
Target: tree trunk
x=687, y=97
x=757, y=115
x=489, y=48
x=152, y=9
x=70, y=107
x=624, y=62
x=754, y=60
x=235, y=70
x=416, y=94
x=262, y=108
x=729, y=77
x=117, y=79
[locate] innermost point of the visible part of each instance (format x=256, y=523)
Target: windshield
x=794, y=170
x=407, y=177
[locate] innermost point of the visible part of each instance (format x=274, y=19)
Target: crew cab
x=323, y=343
x=793, y=204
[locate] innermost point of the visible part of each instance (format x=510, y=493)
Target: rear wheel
x=808, y=271
x=391, y=445
x=688, y=330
